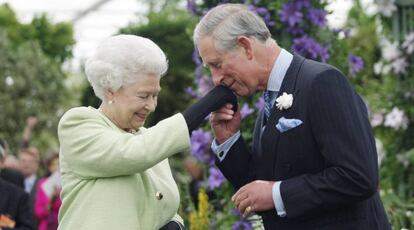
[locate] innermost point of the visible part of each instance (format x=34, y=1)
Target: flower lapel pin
x=284, y=101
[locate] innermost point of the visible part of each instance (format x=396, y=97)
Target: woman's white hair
x=226, y=22
x=121, y=60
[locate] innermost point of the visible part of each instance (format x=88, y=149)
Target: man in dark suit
x=14, y=205
x=10, y=175
x=313, y=164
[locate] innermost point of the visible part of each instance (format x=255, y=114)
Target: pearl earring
x=110, y=102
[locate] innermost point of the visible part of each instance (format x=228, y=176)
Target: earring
x=110, y=102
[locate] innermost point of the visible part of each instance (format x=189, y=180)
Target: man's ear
x=246, y=43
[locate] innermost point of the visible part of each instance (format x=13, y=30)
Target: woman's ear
x=246, y=44
x=109, y=94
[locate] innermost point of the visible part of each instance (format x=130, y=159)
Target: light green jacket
x=111, y=177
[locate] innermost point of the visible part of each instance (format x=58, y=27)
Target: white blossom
x=380, y=151
x=386, y=7
x=9, y=81
x=390, y=50
x=396, y=119
x=378, y=67
x=408, y=44
x=284, y=101
x=399, y=66
x=377, y=119
x=403, y=159
x=408, y=213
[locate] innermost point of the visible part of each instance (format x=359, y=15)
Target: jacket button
x=158, y=195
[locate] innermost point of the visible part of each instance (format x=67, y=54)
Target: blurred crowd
x=29, y=185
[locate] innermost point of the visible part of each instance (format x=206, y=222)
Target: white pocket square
x=284, y=124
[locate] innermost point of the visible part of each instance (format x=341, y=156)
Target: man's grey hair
x=122, y=60
x=225, y=23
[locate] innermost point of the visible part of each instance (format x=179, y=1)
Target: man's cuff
x=277, y=199
x=222, y=150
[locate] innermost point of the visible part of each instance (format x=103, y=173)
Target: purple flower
x=196, y=57
x=317, y=17
x=191, y=7
x=259, y=103
x=303, y=3
x=215, y=179
x=264, y=13
x=245, y=111
x=205, y=84
x=290, y=14
x=295, y=30
x=242, y=225
x=200, y=145
x=356, y=63
x=189, y=90
x=309, y=48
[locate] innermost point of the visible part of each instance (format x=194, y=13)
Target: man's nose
x=217, y=78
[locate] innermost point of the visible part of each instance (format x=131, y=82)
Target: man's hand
x=256, y=195
x=225, y=122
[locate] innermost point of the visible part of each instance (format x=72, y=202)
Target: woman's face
x=132, y=104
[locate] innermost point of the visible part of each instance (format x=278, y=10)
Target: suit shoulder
x=79, y=113
x=14, y=189
x=316, y=69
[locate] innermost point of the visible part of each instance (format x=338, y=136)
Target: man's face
x=231, y=68
x=28, y=164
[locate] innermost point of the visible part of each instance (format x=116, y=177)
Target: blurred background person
x=29, y=159
x=8, y=171
x=14, y=204
x=47, y=202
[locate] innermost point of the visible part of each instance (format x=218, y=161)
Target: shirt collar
x=279, y=69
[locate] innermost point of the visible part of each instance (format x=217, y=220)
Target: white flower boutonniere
x=284, y=101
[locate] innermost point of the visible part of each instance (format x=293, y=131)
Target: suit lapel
x=270, y=136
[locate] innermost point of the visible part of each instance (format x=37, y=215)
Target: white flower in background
x=396, y=119
x=403, y=159
x=284, y=101
x=390, y=50
x=9, y=81
x=408, y=213
x=377, y=119
x=408, y=44
x=378, y=67
x=386, y=7
x=380, y=151
x=386, y=69
x=399, y=65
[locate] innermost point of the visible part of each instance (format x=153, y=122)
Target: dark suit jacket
x=12, y=176
x=14, y=202
x=327, y=165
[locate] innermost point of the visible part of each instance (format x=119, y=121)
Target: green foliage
x=55, y=40
x=31, y=76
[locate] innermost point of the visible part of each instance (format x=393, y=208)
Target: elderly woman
x=115, y=172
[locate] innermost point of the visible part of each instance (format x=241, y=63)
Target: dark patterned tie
x=267, y=96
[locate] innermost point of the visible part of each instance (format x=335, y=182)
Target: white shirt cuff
x=277, y=199
x=222, y=150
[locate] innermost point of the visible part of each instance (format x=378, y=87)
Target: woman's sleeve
x=91, y=149
x=42, y=203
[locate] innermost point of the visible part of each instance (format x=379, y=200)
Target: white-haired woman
x=115, y=172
